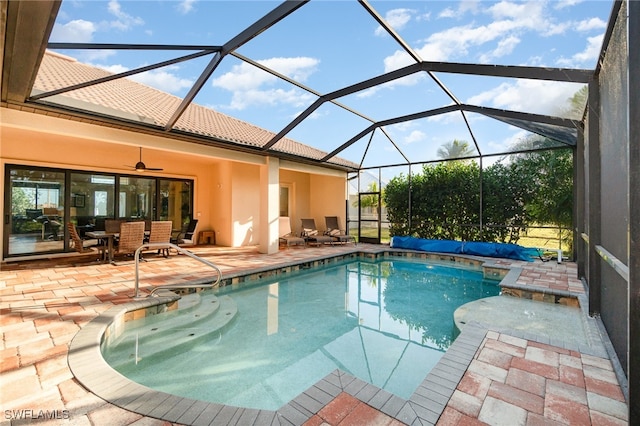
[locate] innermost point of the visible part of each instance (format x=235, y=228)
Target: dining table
x=109, y=238
x=104, y=236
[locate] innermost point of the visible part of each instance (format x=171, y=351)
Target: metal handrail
x=172, y=286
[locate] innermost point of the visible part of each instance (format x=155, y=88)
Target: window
x=41, y=201
x=284, y=200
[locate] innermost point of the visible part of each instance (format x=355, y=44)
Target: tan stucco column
x=269, y=205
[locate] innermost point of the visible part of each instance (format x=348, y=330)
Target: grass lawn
x=543, y=238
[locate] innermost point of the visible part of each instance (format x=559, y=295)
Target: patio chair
x=187, y=236
x=112, y=226
x=311, y=235
x=50, y=228
x=334, y=231
x=78, y=243
x=286, y=236
x=131, y=238
x=161, y=233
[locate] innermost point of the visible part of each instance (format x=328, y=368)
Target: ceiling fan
x=141, y=167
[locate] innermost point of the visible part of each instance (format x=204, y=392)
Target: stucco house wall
x=227, y=183
x=245, y=205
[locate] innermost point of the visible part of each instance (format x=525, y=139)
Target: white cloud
x=247, y=77
x=588, y=56
x=561, y=4
x=185, y=6
x=447, y=13
x=370, y=92
x=592, y=51
x=123, y=21
x=397, y=60
x=397, y=19
x=76, y=31
x=510, y=22
x=469, y=6
x=423, y=17
x=447, y=119
x=97, y=55
x=521, y=12
x=505, y=47
x=415, y=136
x=315, y=115
x=244, y=99
x=556, y=28
x=454, y=42
x=81, y=31
x=404, y=126
x=243, y=77
x=535, y=96
x=298, y=68
x=464, y=7
x=249, y=85
x=113, y=69
x=591, y=24
x=161, y=79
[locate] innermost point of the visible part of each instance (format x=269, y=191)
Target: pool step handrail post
x=147, y=246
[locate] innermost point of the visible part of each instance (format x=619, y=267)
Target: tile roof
x=125, y=98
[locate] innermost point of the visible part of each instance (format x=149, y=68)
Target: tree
x=445, y=203
x=20, y=201
x=577, y=103
x=370, y=200
x=455, y=149
x=549, y=174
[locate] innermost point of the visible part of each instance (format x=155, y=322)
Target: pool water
x=258, y=346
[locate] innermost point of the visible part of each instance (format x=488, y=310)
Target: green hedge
x=445, y=198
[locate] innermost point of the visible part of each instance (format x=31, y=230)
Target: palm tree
x=455, y=149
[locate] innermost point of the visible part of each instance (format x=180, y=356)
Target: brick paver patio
x=511, y=380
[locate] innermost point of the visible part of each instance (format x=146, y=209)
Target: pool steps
x=185, y=323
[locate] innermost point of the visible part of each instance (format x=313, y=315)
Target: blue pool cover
x=504, y=250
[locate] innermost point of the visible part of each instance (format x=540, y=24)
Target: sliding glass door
x=34, y=211
x=92, y=200
x=136, y=198
x=176, y=201
x=39, y=202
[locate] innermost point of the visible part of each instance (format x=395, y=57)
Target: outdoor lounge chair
x=286, y=236
x=311, y=235
x=334, y=231
x=186, y=237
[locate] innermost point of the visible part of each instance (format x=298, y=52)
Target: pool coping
x=425, y=405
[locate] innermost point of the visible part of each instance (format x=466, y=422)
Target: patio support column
x=594, y=213
x=634, y=210
x=579, y=220
x=269, y=205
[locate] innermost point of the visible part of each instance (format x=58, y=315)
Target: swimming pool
x=387, y=322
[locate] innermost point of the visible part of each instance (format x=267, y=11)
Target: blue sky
x=327, y=45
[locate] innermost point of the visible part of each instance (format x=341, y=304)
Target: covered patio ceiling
x=362, y=83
